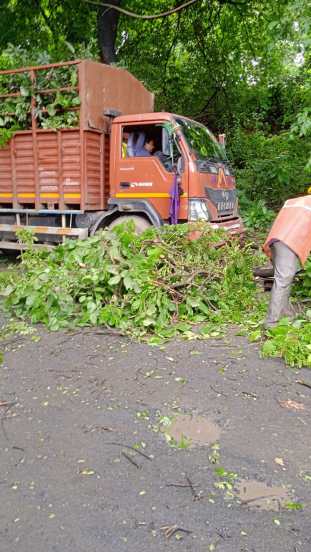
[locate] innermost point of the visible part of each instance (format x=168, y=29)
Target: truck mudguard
x=137, y=206
x=103, y=220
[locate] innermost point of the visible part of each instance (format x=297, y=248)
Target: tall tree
x=107, y=27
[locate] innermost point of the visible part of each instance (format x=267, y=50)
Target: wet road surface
x=111, y=445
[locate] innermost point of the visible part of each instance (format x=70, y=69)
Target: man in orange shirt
x=288, y=245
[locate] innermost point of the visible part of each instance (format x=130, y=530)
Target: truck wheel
x=140, y=223
x=10, y=254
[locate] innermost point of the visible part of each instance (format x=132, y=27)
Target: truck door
x=145, y=166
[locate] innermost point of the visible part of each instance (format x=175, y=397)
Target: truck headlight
x=198, y=210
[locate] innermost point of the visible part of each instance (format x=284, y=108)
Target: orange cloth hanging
x=292, y=226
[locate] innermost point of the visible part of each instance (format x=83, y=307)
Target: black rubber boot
x=264, y=272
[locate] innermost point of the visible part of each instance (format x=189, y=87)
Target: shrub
x=270, y=168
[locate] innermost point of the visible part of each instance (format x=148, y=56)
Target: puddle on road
x=197, y=429
x=260, y=496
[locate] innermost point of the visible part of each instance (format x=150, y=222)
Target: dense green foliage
x=53, y=108
x=290, y=341
x=302, y=288
x=271, y=168
x=256, y=215
x=158, y=282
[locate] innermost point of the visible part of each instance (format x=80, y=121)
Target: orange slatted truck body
x=74, y=180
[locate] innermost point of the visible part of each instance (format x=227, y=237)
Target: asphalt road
x=71, y=406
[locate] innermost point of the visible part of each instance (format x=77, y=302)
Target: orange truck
x=116, y=160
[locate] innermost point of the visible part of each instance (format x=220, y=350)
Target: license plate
x=225, y=206
x=224, y=200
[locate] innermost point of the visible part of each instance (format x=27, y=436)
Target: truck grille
x=224, y=201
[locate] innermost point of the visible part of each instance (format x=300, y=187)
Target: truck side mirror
x=222, y=139
x=180, y=165
x=166, y=142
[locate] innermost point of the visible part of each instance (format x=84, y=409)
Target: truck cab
x=141, y=180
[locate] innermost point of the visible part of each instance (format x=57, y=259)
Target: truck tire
x=141, y=223
x=10, y=254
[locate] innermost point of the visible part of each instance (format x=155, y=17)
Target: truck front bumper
x=233, y=226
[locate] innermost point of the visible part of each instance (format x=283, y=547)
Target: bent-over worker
x=288, y=245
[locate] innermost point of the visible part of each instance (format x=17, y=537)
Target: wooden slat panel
x=48, y=163
x=93, y=159
x=24, y=166
x=71, y=164
x=59, y=164
x=6, y=174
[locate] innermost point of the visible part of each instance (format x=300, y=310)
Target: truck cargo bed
x=66, y=168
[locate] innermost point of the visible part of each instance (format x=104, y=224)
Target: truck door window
x=149, y=140
x=140, y=140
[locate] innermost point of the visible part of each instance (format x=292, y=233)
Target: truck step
x=80, y=233
x=21, y=246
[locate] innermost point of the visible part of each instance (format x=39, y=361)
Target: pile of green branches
x=158, y=283
x=52, y=109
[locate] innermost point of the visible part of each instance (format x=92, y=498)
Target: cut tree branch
x=139, y=16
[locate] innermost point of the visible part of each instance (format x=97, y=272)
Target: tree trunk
x=107, y=26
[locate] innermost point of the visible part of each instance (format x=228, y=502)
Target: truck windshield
x=201, y=141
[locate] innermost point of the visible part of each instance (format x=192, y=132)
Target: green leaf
x=114, y=280
x=24, y=91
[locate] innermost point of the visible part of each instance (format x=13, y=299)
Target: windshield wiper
x=211, y=160
x=215, y=160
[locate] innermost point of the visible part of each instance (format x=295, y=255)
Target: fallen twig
x=130, y=460
x=4, y=403
x=249, y=394
x=170, y=530
x=168, y=288
x=190, y=279
x=93, y=331
x=218, y=392
x=218, y=245
x=291, y=405
x=20, y=461
x=256, y=498
x=61, y=375
x=131, y=448
x=181, y=485
x=304, y=383
x=193, y=491
x=91, y=429
x=4, y=417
